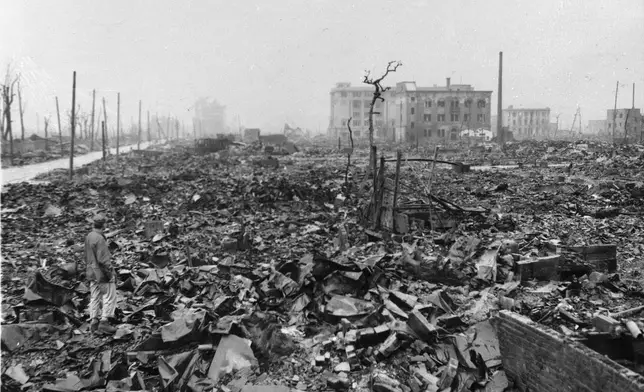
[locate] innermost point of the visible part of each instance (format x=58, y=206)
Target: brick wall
x=543, y=360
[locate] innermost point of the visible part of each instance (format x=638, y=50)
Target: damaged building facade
x=353, y=102
x=410, y=113
x=527, y=123
x=210, y=117
x=624, y=122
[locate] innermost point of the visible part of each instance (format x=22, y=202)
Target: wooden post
x=107, y=140
x=46, y=135
x=379, y=191
x=431, y=174
x=22, y=112
x=103, y=137
x=339, y=144
x=73, y=130
x=118, y=123
x=60, y=129
x=91, y=136
x=500, y=134
x=138, y=145
x=395, y=204
x=615, y=112
x=149, y=135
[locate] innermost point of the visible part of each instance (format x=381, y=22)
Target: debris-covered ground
x=239, y=270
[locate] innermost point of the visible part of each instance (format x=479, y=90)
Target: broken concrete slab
x=423, y=328
x=604, y=323
x=233, y=353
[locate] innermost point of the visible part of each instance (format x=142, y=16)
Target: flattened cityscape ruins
x=419, y=243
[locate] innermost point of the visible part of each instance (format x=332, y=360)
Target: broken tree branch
x=392, y=66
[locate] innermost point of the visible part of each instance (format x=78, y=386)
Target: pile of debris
x=236, y=276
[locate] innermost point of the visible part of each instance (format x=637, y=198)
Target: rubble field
x=239, y=271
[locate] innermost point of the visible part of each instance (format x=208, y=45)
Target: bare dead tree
x=392, y=66
x=8, y=88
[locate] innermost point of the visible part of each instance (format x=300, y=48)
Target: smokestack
x=499, y=109
x=448, y=83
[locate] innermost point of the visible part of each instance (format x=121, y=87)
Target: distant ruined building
x=209, y=118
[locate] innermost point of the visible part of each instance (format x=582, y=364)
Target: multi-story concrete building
x=210, y=117
x=409, y=113
x=527, y=123
x=353, y=102
x=624, y=122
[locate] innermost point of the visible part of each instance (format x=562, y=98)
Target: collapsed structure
x=430, y=275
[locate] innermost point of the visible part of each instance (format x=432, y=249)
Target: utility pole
x=103, y=137
x=71, y=151
x=91, y=148
x=46, y=136
x=60, y=129
x=22, y=111
x=138, y=145
x=149, y=135
x=105, y=118
x=499, y=110
x=118, y=123
x=615, y=111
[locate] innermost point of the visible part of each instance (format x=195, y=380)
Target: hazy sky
x=272, y=62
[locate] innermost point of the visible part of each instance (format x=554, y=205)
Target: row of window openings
x=526, y=122
x=428, y=103
x=427, y=118
x=453, y=117
x=454, y=104
x=367, y=104
x=543, y=114
x=439, y=132
x=357, y=122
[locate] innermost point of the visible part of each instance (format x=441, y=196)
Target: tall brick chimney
x=448, y=83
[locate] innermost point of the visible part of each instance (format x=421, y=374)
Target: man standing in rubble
x=101, y=276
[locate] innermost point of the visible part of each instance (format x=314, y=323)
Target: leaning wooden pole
x=431, y=174
x=615, y=112
x=118, y=123
x=396, y=184
x=103, y=137
x=105, y=119
x=60, y=129
x=138, y=145
x=71, y=150
x=91, y=135
x=46, y=135
x=22, y=112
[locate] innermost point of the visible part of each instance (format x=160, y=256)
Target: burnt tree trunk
x=392, y=66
